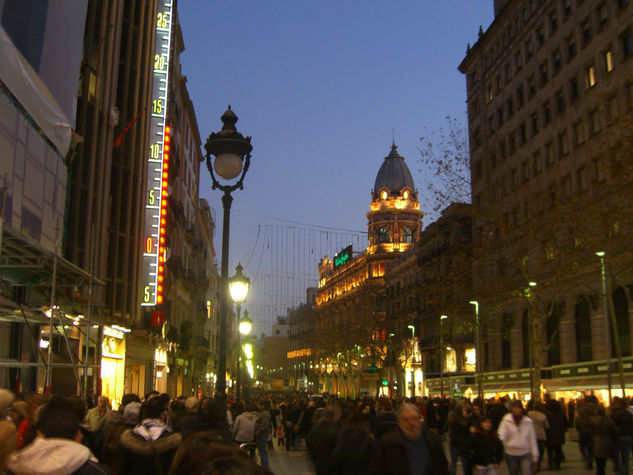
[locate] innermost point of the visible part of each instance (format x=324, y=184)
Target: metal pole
x=480, y=389
x=220, y=387
x=239, y=353
x=607, y=326
x=412, y=358
x=49, y=368
x=442, y=356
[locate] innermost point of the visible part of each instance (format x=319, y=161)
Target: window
x=560, y=101
x=603, y=14
x=520, y=97
x=566, y=8
x=594, y=121
x=517, y=61
x=500, y=116
x=544, y=74
x=540, y=36
x=547, y=113
x=491, y=124
x=537, y=166
x=383, y=236
x=407, y=235
x=579, y=133
x=490, y=94
x=549, y=154
x=581, y=179
x=627, y=45
x=609, y=108
x=513, y=142
x=563, y=144
x=571, y=48
x=556, y=61
x=566, y=186
x=574, y=91
x=590, y=76
x=508, y=73
x=525, y=170
x=531, y=86
x=528, y=49
x=523, y=133
x=514, y=179
x=499, y=84
x=608, y=61
x=553, y=22
x=509, y=108
x=535, y=128
x=586, y=32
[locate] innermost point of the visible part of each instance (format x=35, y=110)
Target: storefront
x=113, y=365
x=161, y=369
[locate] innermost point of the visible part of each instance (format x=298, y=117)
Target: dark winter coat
x=321, y=442
x=384, y=422
x=189, y=424
x=485, y=448
x=557, y=424
x=353, y=451
x=148, y=457
x=389, y=456
x=604, y=439
x=459, y=432
x=623, y=420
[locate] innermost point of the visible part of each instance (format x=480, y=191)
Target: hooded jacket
x=518, y=439
x=149, y=448
x=244, y=427
x=54, y=457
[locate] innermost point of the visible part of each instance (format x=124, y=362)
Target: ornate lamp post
x=232, y=153
x=479, y=362
x=239, y=286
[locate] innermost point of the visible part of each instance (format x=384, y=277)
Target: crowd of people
x=161, y=435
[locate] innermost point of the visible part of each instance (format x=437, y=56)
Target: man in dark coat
x=321, y=440
x=409, y=449
x=555, y=433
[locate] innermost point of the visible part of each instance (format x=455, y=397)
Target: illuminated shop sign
x=157, y=164
x=342, y=257
x=299, y=353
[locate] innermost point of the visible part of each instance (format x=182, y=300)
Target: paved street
x=298, y=463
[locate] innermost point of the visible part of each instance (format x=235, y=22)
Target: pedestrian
x=516, y=432
x=353, y=449
x=585, y=422
x=459, y=433
x=604, y=440
x=57, y=448
x=555, y=434
x=623, y=420
x=263, y=430
x=8, y=432
x=202, y=448
x=243, y=431
x=322, y=439
x=541, y=425
x=485, y=449
x=149, y=447
x=410, y=449
x=190, y=422
x=97, y=415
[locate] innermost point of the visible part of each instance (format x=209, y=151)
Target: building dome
x=394, y=175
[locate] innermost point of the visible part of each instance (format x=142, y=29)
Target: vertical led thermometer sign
x=157, y=164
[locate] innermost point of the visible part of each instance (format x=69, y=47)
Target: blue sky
x=321, y=86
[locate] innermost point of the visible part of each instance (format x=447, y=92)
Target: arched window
x=621, y=312
x=582, y=319
x=525, y=338
x=553, y=334
x=506, y=341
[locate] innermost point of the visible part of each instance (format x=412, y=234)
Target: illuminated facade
x=348, y=313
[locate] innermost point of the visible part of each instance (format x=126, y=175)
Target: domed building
x=394, y=220
x=347, y=310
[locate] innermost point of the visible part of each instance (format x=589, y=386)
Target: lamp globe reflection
x=245, y=324
x=239, y=285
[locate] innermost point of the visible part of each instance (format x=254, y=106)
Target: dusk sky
x=321, y=86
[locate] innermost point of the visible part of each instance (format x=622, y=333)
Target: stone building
x=349, y=324
x=549, y=92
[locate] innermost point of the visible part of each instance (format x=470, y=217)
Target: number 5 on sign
x=151, y=199
x=147, y=294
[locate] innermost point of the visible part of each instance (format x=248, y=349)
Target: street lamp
x=480, y=386
x=412, y=328
x=232, y=153
x=528, y=294
x=442, y=356
x=239, y=286
x=245, y=325
x=607, y=326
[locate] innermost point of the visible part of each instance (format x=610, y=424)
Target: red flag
x=119, y=139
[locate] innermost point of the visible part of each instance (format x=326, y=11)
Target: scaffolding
x=39, y=288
